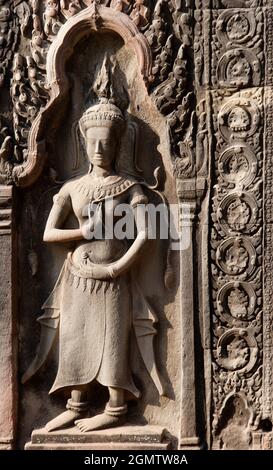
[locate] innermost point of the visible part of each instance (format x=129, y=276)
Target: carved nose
x=98, y=147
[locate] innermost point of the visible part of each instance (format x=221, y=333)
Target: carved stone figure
x=70, y=8
x=237, y=166
x=5, y=152
x=239, y=119
x=94, y=298
x=238, y=214
x=238, y=303
x=236, y=257
x=197, y=76
x=140, y=13
x=6, y=37
x=237, y=353
x=51, y=19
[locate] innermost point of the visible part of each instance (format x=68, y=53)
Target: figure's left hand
x=100, y=272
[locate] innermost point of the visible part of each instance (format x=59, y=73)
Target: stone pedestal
x=120, y=438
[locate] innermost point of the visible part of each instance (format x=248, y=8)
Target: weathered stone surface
x=126, y=438
x=98, y=446
x=8, y=333
x=191, y=81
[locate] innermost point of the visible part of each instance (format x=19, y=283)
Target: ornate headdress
x=104, y=113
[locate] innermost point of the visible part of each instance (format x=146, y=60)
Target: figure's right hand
x=101, y=272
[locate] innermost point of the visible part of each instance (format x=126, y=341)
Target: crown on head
x=102, y=114
x=105, y=112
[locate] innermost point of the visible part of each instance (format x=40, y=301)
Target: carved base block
x=190, y=443
x=6, y=446
x=120, y=438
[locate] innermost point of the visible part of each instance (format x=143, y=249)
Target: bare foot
x=64, y=420
x=102, y=421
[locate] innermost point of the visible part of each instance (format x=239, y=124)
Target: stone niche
x=180, y=94
x=144, y=146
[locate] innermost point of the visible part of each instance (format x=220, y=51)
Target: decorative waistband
x=81, y=279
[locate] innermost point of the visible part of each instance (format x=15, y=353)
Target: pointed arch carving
x=94, y=18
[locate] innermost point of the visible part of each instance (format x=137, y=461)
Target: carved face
x=4, y=13
x=101, y=146
x=51, y=8
x=37, y=39
x=74, y=6
x=239, y=119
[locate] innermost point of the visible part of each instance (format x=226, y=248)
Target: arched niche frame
x=94, y=18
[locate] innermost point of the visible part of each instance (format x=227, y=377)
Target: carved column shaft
x=188, y=398
x=8, y=336
x=188, y=195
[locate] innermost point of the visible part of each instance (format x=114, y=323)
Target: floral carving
x=238, y=120
x=170, y=61
x=239, y=68
x=70, y=7
x=236, y=237
x=6, y=148
x=14, y=18
x=236, y=303
x=224, y=101
x=237, y=350
x=238, y=213
x=28, y=94
x=51, y=18
x=238, y=165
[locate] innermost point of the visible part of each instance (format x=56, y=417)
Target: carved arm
x=56, y=218
x=142, y=224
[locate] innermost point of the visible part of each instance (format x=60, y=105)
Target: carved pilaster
x=268, y=231
x=236, y=78
x=8, y=337
x=190, y=192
